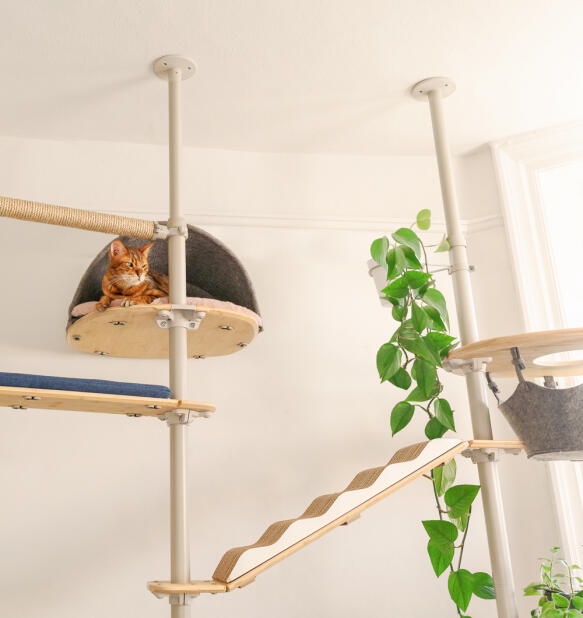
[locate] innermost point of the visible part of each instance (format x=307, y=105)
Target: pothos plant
x=560, y=594
x=410, y=361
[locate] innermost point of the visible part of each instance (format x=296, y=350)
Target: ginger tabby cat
x=128, y=277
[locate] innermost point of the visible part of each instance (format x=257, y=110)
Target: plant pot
x=548, y=420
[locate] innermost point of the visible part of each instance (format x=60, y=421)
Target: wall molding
x=384, y=225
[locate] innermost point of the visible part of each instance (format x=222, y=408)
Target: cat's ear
x=146, y=248
x=117, y=249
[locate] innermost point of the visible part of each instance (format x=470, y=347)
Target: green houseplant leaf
x=388, y=360
x=401, y=414
x=378, y=250
x=484, y=586
x=418, y=317
x=444, y=476
x=415, y=279
x=461, y=587
x=444, y=413
x=423, y=219
x=407, y=237
x=434, y=298
x=425, y=376
x=434, y=429
x=401, y=379
x=459, y=498
x=443, y=245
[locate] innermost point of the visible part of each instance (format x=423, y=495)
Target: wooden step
x=44, y=399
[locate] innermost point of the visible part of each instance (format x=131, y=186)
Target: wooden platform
x=15, y=397
x=532, y=347
x=131, y=332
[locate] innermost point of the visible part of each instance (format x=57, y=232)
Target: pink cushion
x=88, y=307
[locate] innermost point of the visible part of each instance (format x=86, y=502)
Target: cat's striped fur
x=128, y=277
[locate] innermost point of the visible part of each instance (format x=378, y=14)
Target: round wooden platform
x=534, y=347
x=131, y=332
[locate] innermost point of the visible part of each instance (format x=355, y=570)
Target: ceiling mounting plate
x=421, y=89
x=167, y=63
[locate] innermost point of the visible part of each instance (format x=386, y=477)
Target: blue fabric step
x=84, y=385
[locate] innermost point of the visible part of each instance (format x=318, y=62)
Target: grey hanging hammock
x=547, y=419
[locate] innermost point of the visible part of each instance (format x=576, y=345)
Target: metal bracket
x=180, y=599
x=462, y=367
x=484, y=455
x=182, y=417
x=162, y=231
x=180, y=316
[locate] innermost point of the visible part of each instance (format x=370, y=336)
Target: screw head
x=199, y=356
x=154, y=407
x=31, y=398
x=133, y=414
x=163, y=324
x=242, y=345
x=19, y=407
x=76, y=337
x=226, y=327
x=192, y=325
x=117, y=323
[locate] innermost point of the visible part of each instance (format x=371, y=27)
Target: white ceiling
x=290, y=75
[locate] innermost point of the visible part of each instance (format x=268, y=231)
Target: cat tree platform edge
x=74, y=401
x=533, y=346
x=132, y=332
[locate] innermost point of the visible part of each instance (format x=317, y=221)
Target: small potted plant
x=560, y=594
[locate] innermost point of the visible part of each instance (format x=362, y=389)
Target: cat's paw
x=127, y=302
x=101, y=306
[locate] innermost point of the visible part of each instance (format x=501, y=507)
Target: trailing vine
x=411, y=358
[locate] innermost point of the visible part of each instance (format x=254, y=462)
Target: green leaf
x=440, y=556
x=407, y=237
x=388, y=360
x=560, y=600
x=484, y=586
x=461, y=586
x=441, y=342
x=443, y=245
x=425, y=375
x=411, y=258
x=460, y=497
x=417, y=395
x=434, y=298
x=419, y=317
x=416, y=279
x=409, y=338
x=439, y=530
x=399, y=313
x=461, y=523
x=397, y=289
x=401, y=414
x=378, y=250
x=423, y=219
x=444, y=413
x=436, y=322
x=577, y=602
x=573, y=613
x=396, y=263
x=434, y=429
x=444, y=476
x=401, y=379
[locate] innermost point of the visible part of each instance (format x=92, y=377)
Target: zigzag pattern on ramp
x=331, y=510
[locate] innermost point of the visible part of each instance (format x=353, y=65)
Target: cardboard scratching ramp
x=239, y=566
x=22, y=397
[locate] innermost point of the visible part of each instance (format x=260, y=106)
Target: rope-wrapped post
x=77, y=218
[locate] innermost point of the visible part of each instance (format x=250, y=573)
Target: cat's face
x=128, y=264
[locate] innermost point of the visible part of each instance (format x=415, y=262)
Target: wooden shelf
x=239, y=567
x=131, y=332
x=17, y=397
x=532, y=347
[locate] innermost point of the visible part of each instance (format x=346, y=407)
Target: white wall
x=85, y=497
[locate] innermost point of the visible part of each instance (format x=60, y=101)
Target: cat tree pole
x=175, y=69
x=435, y=89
